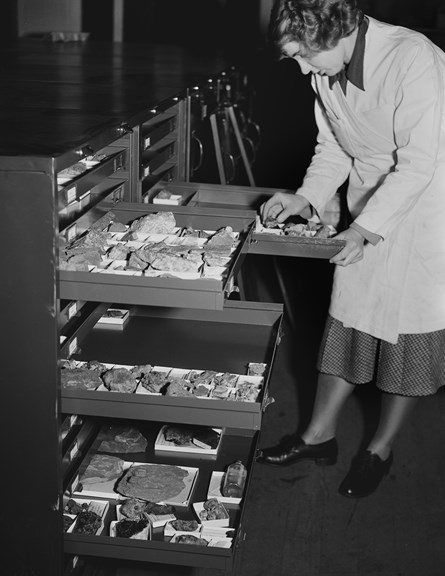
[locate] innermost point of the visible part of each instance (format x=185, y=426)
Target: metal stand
x=233, y=123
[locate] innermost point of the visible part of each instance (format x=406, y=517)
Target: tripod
x=223, y=124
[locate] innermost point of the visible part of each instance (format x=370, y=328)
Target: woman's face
x=326, y=63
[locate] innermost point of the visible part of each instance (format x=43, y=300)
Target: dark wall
x=411, y=13
x=206, y=24
x=203, y=23
x=284, y=110
x=173, y=21
x=8, y=21
x=97, y=19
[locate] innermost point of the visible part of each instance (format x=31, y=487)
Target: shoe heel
x=330, y=461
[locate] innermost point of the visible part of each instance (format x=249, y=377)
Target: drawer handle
x=230, y=167
x=280, y=335
x=85, y=151
x=201, y=153
x=125, y=129
x=253, y=131
x=268, y=400
x=250, y=149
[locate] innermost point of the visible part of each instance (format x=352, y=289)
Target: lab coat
x=390, y=141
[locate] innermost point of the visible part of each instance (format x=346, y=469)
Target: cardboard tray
x=100, y=507
x=163, y=445
x=108, y=489
x=156, y=520
x=144, y=535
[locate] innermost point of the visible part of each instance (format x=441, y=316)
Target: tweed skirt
x=415, y=366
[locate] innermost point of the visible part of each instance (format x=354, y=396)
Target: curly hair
x=317, y=25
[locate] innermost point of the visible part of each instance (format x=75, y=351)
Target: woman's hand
x=353, y=250
x=282, y=205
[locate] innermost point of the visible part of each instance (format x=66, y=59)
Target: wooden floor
x=296, y=522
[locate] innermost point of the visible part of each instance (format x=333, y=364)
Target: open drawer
x=202, y=477
x=181, y=342
x=224, y=197
x=109, y=283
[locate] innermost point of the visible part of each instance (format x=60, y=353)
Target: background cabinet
x=224, y=138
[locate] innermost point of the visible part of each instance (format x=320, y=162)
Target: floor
x=398, y=531
x=296, y=522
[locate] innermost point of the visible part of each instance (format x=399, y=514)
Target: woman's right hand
x=282, y=205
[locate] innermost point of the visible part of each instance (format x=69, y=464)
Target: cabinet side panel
x=30, y=525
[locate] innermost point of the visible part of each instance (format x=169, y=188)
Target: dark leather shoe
x=292, y=449
x=365, y=474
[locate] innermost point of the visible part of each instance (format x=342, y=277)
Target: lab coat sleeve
x=329, y=167
x=418, y=123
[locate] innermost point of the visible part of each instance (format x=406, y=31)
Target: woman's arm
x=329, y=167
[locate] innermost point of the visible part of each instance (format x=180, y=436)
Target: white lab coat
x=390, y=140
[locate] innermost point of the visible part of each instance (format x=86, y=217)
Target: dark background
x=284, y=97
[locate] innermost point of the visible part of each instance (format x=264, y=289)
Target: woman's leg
x=371, y=465
x=318, y=442
x=395, y=411
x=332, y=393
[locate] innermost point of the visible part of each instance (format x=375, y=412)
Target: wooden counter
x=56, y=95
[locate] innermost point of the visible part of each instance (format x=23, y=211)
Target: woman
x=380, y=92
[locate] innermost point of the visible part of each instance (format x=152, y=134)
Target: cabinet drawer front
x=157, y=132
x=167, y=172
x=76, y=443
x=111, y=190
x=79, y=186
x=69, y=310
x=157, y=159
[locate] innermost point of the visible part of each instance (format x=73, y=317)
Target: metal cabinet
x=188, y=339
x=181, y=324
x=74, y=166
x=33, y=199
x=163, y=144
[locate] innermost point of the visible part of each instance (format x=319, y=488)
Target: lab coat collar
x=354, y=70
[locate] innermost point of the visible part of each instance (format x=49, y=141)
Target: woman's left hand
x=353, y=250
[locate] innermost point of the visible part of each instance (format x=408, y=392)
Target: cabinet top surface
x=56, y=96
